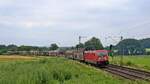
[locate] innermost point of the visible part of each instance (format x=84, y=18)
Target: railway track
x=125, y=72
x=128, y=73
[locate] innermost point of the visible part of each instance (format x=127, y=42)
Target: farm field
x=55, y=71
x=15, y=58
x=142, y=62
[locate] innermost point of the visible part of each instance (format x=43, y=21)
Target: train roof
x=93, y=51
x=101, y=50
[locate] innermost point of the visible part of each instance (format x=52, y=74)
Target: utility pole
x=115, y=41
x=121, y=59
x=122, y=49
x=80, y=38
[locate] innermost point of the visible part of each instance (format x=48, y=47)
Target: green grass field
x=55, y=71
x=142, y=62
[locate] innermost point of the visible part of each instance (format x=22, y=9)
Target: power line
x=113, y=39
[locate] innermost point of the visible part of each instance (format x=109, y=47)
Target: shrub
x=129, y=63
x=43, y=61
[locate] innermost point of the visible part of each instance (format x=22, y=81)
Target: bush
x=43, y=61
x=129, y=63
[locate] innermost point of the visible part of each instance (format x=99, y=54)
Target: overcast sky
x=42, y=22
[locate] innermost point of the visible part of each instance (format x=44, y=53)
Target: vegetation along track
x=129, y=73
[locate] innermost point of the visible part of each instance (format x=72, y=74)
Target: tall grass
x=55, y=71
x=134, y=61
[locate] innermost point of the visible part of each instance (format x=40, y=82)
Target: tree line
x=12, y=47
x=125, y=47
x=133, y=46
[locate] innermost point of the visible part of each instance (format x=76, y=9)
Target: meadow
x=138, y=61
x=49, y=70
x=15, y=58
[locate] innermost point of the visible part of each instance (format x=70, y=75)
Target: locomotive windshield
x=102, y=53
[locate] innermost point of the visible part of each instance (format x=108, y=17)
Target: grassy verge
x=55, y=71
x=142, y=62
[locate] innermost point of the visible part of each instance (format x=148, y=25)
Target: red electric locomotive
x=97, y=57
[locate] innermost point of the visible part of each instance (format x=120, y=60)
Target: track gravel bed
x=129, y=73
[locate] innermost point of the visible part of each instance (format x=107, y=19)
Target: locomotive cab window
x=102, y=53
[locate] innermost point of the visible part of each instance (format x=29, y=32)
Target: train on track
x=96, y=57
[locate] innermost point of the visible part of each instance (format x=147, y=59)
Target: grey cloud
x=41, y=22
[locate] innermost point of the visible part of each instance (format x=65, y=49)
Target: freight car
x=39, y=53
x=97, y=57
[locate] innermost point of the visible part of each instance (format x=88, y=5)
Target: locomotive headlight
x=99, y=58
x=105, y=58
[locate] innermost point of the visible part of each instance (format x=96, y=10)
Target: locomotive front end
x=103, y=58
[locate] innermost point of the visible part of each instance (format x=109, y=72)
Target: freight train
x=97, y=57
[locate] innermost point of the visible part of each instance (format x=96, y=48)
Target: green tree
x=3, y=49
x=25, y=48
x=145, y=42
x=12, y=47
x=130, y=47
x=2, y=46
x=54, y=46
x=81, y=45
x=93, y=44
